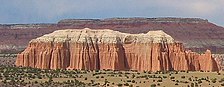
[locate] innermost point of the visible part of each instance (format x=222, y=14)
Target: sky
x=51, y=11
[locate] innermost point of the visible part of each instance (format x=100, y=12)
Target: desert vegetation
x=33, y=77
x=7, y=59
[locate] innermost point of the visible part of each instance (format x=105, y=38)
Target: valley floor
x=25, y=76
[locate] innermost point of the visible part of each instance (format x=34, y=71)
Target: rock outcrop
x=220, y=60
x=108, y=49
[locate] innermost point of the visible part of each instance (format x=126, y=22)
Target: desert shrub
x=222, y=79
x=164, y=76
x=172, y=77
x=120, y=75
x=182, y=77
x=92, y=81
x=153, y=80
x=133, y=75
x=120, y=72
x=199, y=81
x=96, y=70
x=105, y=82
x=35, y=82
x=203, y=78
x=164, y=72
x=119, y=84
x=128, y=80
x=126, y=84
x=214, y=80
x=192, y=84
x=153, y=85
x=133, y=81
x=222, y=84
x=196, y=84
x=160, y=80
x=126, y=73
x=185, y=82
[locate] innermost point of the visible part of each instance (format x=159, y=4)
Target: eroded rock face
x=107, y=49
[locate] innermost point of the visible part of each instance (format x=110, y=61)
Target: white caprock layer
x=87, y=35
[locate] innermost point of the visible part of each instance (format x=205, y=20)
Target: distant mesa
x=196, y=34
x=131, y=20
x=107, y=49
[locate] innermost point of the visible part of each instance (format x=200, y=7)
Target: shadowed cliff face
x=106, y=49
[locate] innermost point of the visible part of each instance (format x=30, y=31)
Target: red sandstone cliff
x=107, y=49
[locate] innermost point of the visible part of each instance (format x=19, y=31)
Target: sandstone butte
x=107, y=49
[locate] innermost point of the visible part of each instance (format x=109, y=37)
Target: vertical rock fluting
x=107, y=49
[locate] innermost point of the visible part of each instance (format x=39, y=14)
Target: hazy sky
x=51, y=11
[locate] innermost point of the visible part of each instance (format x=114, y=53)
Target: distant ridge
x=165, y=19
x=197, y=34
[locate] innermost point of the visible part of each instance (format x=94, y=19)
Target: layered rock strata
x=196, y=34
x=107, y=49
